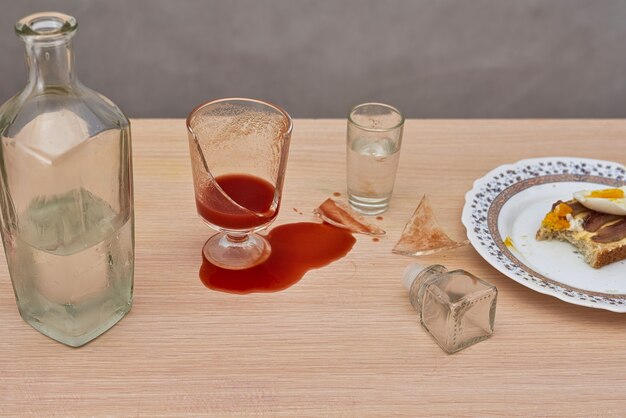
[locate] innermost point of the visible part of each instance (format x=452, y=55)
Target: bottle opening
x=46, y=26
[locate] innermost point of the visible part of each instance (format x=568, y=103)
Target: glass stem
x=237, y=238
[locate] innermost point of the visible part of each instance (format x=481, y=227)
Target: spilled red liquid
x=250, y=192
x=336, y=194
x=375, y=239
x=296, y=249
x=380, y=218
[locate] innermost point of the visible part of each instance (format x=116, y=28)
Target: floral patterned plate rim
x=510, y=201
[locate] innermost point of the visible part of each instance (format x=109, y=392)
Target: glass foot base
x=236, y=252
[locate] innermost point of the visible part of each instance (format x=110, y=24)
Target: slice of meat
x=596, y=220
x=611, y=233
x=577, y=207
x=422, y=235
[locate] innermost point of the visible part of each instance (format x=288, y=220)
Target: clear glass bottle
x=66, y=192
x=457, y=308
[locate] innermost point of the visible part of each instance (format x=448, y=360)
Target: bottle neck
x=421, y=282
x=50, y=64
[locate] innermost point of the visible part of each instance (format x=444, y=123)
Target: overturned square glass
x=457, y=308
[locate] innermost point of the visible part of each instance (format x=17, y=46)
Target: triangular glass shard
x=422, y=235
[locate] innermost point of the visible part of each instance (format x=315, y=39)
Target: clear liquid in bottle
x=66, y=193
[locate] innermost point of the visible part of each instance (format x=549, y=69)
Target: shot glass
x=373, y=148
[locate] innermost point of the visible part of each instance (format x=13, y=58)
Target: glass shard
x=422, y=235
x=340, y=215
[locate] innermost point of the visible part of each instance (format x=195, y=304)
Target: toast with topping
x=600, y=237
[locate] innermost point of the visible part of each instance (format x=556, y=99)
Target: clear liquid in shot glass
x=372, y=165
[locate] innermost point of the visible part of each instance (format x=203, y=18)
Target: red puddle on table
x=296, y=249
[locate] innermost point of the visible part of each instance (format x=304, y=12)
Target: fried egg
x=609, y=201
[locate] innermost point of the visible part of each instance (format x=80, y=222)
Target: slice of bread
x=571, y=229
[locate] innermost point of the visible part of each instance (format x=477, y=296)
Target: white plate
x=511, y=200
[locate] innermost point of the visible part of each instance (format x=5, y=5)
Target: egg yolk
x=556, y=220
x=562, y=209
x=608, y=194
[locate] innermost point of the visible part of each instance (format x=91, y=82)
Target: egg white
x=600, y=204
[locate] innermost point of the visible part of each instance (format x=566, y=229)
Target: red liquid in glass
x=251, y=192
x=296, y=249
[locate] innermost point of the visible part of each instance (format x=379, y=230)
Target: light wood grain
x=344, y=341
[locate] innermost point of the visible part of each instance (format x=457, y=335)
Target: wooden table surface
x=344, y=341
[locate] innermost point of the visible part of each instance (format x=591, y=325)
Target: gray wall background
x=317, y=58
